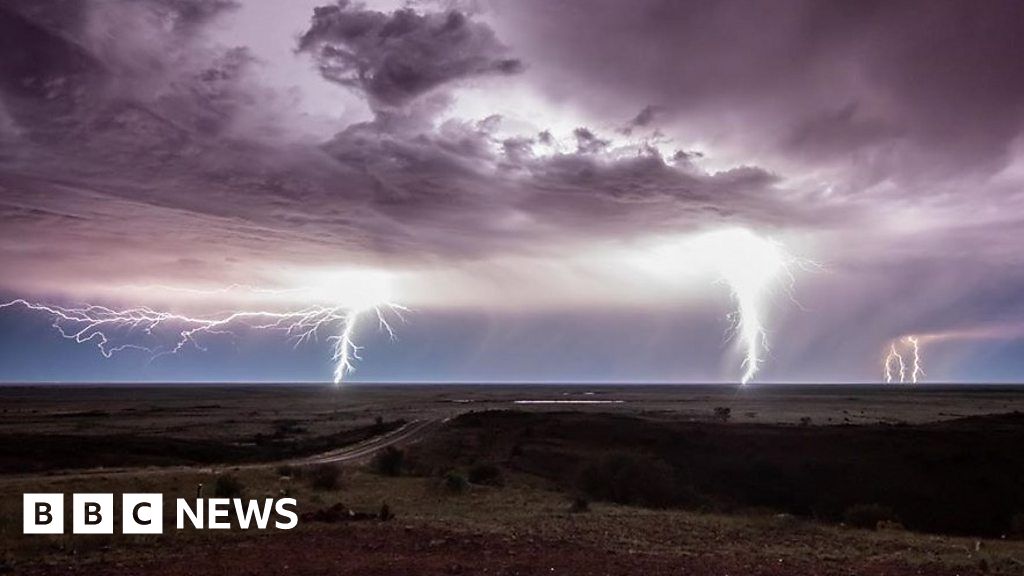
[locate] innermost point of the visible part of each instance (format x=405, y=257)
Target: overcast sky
x=507, y=170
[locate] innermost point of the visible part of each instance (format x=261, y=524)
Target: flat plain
x=520, y=479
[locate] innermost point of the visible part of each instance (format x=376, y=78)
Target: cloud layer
x=474, y=150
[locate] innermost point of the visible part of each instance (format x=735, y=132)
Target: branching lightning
x=893, y=360
x=895, y=368
x=915, y=366
x=173, y=332
x=751, y=266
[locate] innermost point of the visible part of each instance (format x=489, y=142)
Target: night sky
x=531, y=179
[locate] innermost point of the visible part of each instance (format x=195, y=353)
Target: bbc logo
x=93, y=513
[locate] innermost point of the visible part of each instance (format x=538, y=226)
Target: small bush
x=723, y=413
x=390, y=461
x=455, y=483
x=869, y=516
x=486, y=474
x=227, y=486
x=325, y=477
x=629, y=479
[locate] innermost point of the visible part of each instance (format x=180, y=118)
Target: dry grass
x=519, y=510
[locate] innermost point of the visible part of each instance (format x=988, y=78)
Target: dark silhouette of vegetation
x=723, y=413
x=869, y=515
x=627, y=478
x=955, y=477
x=227, y=486
x=23, y=453
x=455, y=483
x=390, y=461
x=325, y=477
x=486, y=474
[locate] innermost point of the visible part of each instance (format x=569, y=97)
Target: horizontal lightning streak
x=102, y=325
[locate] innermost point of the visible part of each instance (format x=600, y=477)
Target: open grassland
x=752, y=481
x=519, y=527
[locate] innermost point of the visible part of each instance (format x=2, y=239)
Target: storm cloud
x=163, y=142
x=399, y=56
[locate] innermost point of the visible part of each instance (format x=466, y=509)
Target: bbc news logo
x=143, y=513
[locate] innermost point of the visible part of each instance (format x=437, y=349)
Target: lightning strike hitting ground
x=893, y=359
x=752, y=267
x=915, y=366
x=105, y=327
x=894, y=365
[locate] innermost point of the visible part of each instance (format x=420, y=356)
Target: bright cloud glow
x=750, y=265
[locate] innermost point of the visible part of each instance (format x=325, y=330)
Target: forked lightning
x=106, y=327
x=895, y=368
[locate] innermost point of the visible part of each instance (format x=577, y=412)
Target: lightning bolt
x=751, y=266
x=105, y=326
x=893, y=358
x=894, y=364
x=916, y=370
x=748, y=327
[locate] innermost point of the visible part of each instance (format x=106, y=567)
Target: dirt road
x=407, y=434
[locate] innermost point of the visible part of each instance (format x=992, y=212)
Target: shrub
x=486, y=474
x=227, y=486
x=869, y=516
x=628, y=479
x=723, y=413
x=455, y=483
x=325, y=477
x=390, y=461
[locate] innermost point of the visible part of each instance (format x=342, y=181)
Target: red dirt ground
x=370, y=549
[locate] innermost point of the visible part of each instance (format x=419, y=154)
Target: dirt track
x=407, y=434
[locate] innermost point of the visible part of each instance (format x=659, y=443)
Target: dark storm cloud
x=115, y=75
x=942, y=80
x=399, y=56
x=588, y=143
x=643, y=119
x=160, y=120
x=137, y=141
